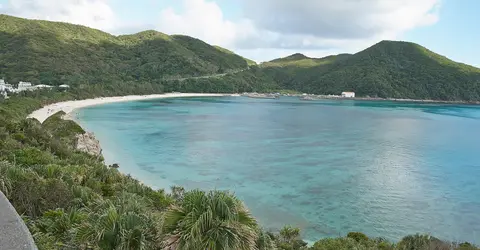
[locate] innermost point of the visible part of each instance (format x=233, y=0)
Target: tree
x=266, y=241
x=116, y=225
x=289, y=239
x=214, y=220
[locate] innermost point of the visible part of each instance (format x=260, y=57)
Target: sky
x=266, y=29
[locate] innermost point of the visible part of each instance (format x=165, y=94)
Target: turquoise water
x=328, y=167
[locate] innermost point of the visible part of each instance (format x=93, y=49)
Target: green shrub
x=417, y=242
x=337, y=244
x=30, y=156
x=357, y=236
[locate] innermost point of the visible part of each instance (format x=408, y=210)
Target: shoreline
x=419, y=101
x=69, y=106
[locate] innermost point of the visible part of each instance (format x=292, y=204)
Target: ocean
x=329, y=167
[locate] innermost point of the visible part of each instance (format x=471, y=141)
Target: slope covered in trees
x=387, y=69
x=61, y=53
x=152, y=62
x=301, y=61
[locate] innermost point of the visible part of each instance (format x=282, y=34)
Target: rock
x=89, y=144
x=114, y=165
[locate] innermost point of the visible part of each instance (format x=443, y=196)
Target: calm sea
x=329, y=167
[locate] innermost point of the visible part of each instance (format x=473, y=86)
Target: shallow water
x=329, y=167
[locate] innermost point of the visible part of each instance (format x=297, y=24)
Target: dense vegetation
x=94, y=61
x=152, y=62
x=388, y=69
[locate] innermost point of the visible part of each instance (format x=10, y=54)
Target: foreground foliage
x=213, y=220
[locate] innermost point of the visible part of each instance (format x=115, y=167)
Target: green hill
x=98, y=63
x=387, y=69
x=302, y=61
x=57, y=53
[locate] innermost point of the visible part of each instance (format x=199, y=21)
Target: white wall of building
x=22, y=86
x=348, y=94
x=3, y=87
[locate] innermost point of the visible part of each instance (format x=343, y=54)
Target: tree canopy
x=389, y=69
x=95, y=62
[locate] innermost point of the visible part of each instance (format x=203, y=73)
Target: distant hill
x=387, y=69
x=61, y=53
x=303, y=61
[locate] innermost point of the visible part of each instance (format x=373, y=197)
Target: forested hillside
x=387, y=69
x=151, y=62
x=61, y=53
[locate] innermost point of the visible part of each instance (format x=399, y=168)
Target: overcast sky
x=266, y=29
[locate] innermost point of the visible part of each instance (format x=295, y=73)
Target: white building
x=3, y=86
x=64, y=86
x=22, y=86
x=9, y=87
x=348, y=94
x=41, y=86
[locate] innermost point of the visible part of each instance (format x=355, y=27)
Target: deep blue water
x=328, y=167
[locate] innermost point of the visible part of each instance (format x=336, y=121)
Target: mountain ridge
x=60, y=53
x=387, y=69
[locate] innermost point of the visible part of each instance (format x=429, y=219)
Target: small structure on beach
x=348, y=94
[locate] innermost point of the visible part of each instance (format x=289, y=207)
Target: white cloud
x=93, y=13
x=341, y=19
x=204, y=20
x=276, y=27
x=311, y=26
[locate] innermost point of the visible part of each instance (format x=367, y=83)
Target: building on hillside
x=9, y=87
x=22, y=86
x=64, y=86
x=348, y=94
x=41, y=86
x=3, y=87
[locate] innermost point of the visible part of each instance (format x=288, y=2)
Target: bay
x=329, y=167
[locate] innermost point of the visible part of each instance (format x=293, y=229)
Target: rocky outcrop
x=89, y=144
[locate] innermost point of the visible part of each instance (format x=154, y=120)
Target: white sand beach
x=69, y=106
